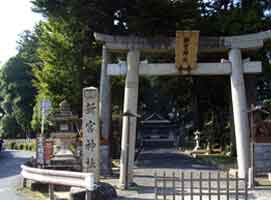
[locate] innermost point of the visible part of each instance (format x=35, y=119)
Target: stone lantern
x=197, y=140
x=65, y=137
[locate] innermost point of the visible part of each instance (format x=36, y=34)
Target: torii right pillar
x=240, y=111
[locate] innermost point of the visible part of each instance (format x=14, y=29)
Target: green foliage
x=70, y=58
x=12, y=145
x=9, y=127
x=17, y=95
x=16, y=89
x=60, y=57
x=66, y=66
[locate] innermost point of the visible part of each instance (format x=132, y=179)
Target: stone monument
x=197, y=140
x=91, y=134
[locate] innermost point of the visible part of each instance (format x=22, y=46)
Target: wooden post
x=88, y=195
x=209, y=185
x=236, y=186
x=155, y=186
x=164, y=186
x=228, y=185
x=51, y=192
x=191, y=185
x=246, y=186
x=174, y=186
x=24, y=182
x=218, y=185
x=183, y=186
x=200, y=185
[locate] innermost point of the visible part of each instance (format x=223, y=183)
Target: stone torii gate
x=235, y=67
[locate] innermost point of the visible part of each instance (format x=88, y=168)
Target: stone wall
x=263, y=157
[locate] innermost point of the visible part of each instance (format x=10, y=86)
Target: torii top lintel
x=206, y=44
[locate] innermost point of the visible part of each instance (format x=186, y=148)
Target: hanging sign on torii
x=186, y=50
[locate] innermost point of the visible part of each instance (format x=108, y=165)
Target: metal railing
x=200, y=185
x=57, y=177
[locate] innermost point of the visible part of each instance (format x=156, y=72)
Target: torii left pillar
x=105, y=114
x=129, y=123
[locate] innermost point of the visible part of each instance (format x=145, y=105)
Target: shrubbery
x=28, y=146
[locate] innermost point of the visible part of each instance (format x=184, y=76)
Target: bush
x=33, y=146
x=12, y=145
x=27, y=146
x=21, y=146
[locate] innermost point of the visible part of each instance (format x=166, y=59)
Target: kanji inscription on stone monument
x=91, y=134
x=90, y=145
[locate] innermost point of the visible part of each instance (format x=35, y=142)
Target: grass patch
x=35, y=195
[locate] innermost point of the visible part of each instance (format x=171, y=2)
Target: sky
x=15, y=17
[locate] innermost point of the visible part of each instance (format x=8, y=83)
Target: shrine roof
x=249, y=42
x=155, y=118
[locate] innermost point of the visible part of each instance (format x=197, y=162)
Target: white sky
x=15, y=17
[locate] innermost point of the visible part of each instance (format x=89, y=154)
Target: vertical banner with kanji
x=40, y=151
x=186, y=51
x=91, y=134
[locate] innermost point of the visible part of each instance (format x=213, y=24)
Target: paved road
x=10, y=178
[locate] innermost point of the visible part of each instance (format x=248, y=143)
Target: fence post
x=209, y=185
x=250, y=178
x=88, y=195
x=155, y=186
x=90, y=185
x=24, y=182
x=191, y=185
x=164, y=186
x=246, y=186
x=200, y=185
x=174, y=185
x=218, y=185
x=183, y=185
x=228, y=185
x=51, y=192
x=236, y=185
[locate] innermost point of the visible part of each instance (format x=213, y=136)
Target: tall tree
x=17, y=95
x=70, y=57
